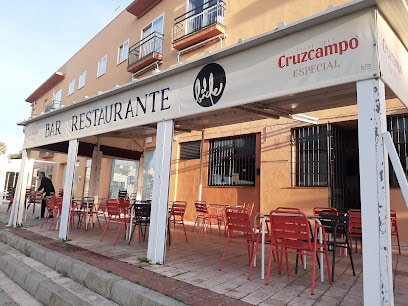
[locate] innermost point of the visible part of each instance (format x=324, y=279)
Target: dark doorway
x=344, y=175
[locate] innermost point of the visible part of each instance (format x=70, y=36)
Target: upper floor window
x=55, y=103
x=204, y=12
x=123, y=52
x=310, y=156
x=151, y=43
x=82, y=79
x=71, y=87
x=102, y=66
x=57, y=96
x=232, y=161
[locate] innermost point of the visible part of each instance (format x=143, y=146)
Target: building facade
x=282, y=161
x=288, y=134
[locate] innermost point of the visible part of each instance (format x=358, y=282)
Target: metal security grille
x=190, y=150
x=310, y=156
x=232, y=161
x=398, y=128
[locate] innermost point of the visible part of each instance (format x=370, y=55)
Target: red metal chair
x=76, y=211
x=355, y=228
x=241, y=231
x=291, y=234
x=11, y=199
x=115, y=215
x=49, y=209
x=101, y=209
x=203, y=217
x=56, y=213
x=394, y=228
x=248, y=206
x=217, y=214
x=176, y=215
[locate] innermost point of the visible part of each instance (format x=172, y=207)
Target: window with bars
x=398, y=128
x=232, y=161
x=310, y=156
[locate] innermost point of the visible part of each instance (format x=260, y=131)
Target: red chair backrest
x=178, y=208
x=239, y=223
x=50, y=202
x=58, y=203
x=201, y=207
x=112, y=207
x=393, y=216
x=290, y=227
x=355, y=221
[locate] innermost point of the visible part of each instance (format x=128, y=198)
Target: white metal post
x=375, y=198
x=200, y=186
x=17, y=209
x=69, y=179
x=161, y=182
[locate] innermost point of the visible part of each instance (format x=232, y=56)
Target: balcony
x=141, y=7
x=53, y=105
x=199, y=24
x=145, y=52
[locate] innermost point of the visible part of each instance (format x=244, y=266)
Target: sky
x=36, y=39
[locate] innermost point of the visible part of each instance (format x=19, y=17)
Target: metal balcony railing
x=210, y=13
x=52, y=106
x=149, y=45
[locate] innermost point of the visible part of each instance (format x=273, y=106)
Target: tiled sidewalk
x=191, y=271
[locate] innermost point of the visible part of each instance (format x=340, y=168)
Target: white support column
x=95, y=174
x=161, y=182
x=69, y=179
x=200, y=186
x=375, y=197
x=17, y=210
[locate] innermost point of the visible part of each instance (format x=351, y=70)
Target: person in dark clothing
x=46, y=187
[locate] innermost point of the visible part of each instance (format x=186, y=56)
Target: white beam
x=375, y=196
x=161, y=182
x=396, y=164
x=69, y=179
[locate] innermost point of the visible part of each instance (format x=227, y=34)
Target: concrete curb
x=40, y=287
x=108, y=285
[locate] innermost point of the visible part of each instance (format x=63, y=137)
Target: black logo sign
x=209, y=85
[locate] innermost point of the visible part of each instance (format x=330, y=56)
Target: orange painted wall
x=244, y=19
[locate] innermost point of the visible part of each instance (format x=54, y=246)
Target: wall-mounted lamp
x=156, y=70
x=304, y=118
